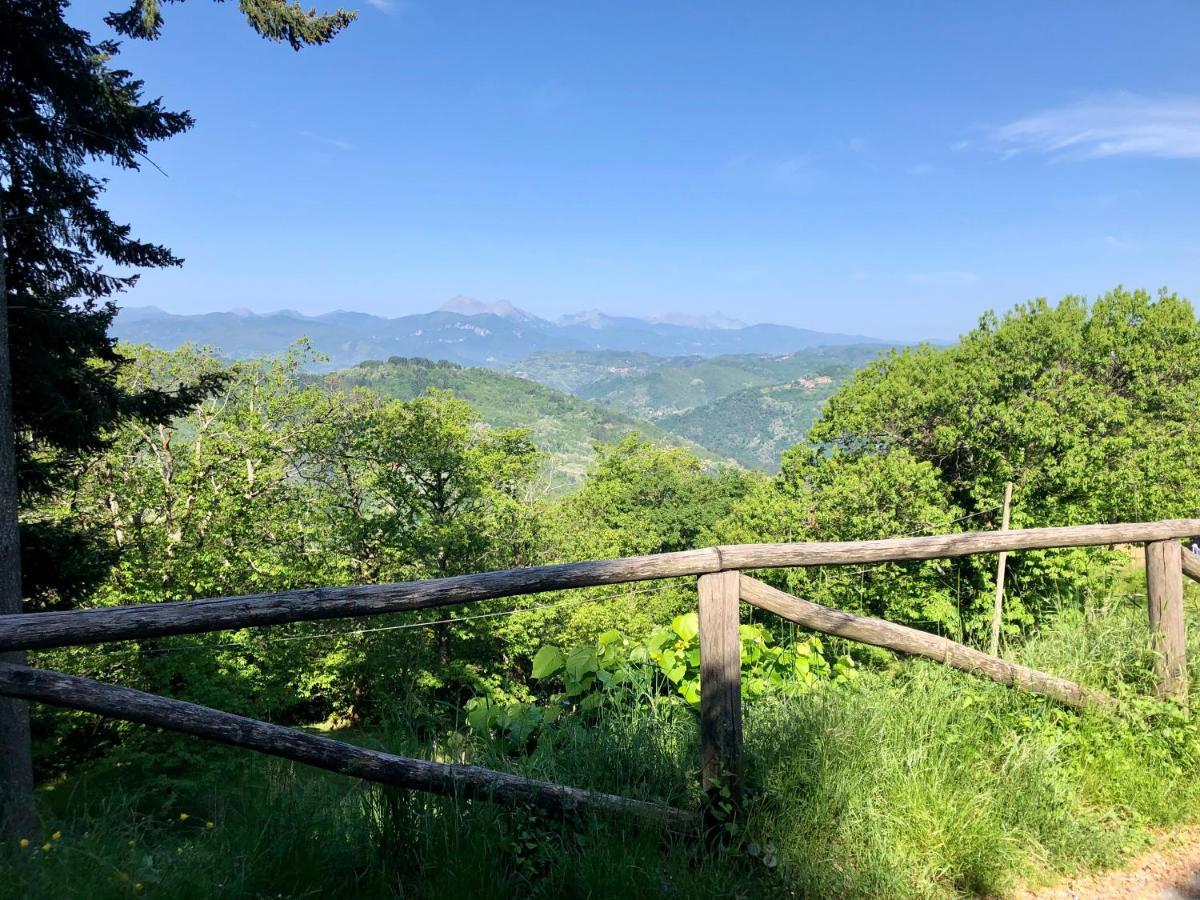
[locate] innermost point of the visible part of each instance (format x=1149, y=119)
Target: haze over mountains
x=728, y=391
x=465, y=331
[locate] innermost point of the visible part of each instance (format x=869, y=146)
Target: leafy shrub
x=616, y=669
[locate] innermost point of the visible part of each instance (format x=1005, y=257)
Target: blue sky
x=883, y=168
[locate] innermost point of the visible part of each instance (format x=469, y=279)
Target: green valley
x=748, y=407
x=562, y=426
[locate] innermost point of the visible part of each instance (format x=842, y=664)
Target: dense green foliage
x=1087, y=409
x=63, y=108
x=564, y=427
x=755, y=426
x=275, y=20
x=914, y=782
x=280, y=481
x=869, y=776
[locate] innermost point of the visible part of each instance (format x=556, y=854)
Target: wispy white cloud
x=1116, y=243
x=1121, y=124
x=392, y=7
x=327, y=141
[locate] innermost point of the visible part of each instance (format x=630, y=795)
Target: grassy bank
x=915, y=782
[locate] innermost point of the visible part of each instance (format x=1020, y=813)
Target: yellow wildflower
x=183, y=817
x=46, y=847
x=57, y=836
x=208, y=824
x=24, y=843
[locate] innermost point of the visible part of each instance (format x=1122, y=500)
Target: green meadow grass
x=918, y=781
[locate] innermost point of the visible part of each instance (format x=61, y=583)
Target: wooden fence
x=722, y=586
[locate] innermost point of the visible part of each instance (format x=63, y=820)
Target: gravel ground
x=1169, y=872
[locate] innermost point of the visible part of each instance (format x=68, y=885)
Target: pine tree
x=63, y=106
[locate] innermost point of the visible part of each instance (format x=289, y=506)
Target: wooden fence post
x=1164, y=590
x=998, y=606
x=720, y=679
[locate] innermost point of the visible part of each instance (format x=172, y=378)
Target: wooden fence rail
x=472, y=782
x=721, y=586
x=116, y=623
x=902, y=639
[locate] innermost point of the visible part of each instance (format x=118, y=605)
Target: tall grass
x=916, y=782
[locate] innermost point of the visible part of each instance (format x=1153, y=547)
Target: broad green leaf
x=548, y=661
x=686, y=626
x=690, y=691
x=580, y=662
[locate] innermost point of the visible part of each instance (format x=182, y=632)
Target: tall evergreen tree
x=63, y=106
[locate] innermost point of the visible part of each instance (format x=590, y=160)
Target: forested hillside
x=870, y=775
x=575, y=370
x=694, y=400
x=563, y=427
x=756, y=425
x=747, y=407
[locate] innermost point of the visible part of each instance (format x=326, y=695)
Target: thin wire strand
x=425, y=624
x=982, y=512
x=489, y=615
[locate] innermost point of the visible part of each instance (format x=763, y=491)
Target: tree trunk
x=17, y=817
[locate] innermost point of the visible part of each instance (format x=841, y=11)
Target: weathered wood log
x=1190, y=563
x=115, y=623
x=776, y=556
x=91, y=626
x=720, y=681
x=1001, y=565
x=1164, y=595
x=470, y=782
x=903, y=639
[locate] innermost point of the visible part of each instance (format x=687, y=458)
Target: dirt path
x=1171, y=871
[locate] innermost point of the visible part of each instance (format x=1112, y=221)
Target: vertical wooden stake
x=1164, y=590
x=720, y=679
x=998, y=608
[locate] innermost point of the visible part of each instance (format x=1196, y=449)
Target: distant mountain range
x=465, y=331
x=726, y=390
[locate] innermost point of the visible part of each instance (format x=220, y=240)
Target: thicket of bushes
x=866, y=768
